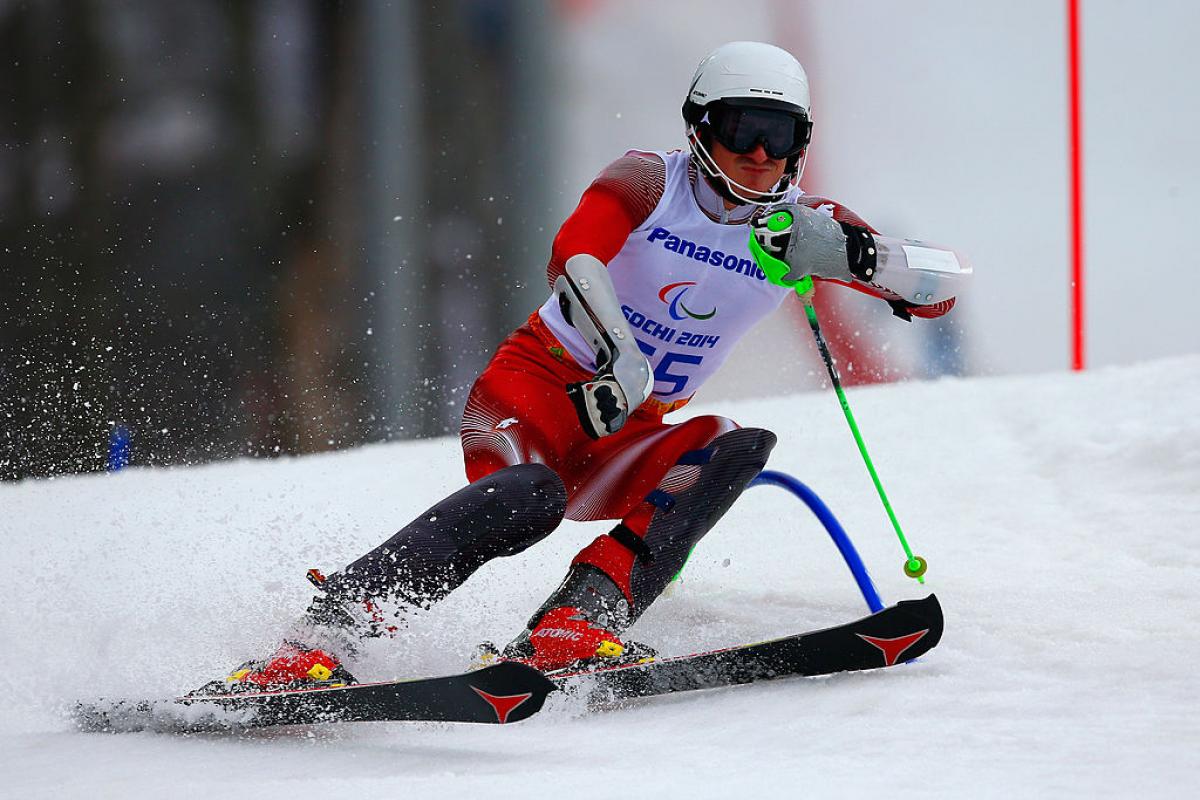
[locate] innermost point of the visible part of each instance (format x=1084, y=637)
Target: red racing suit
x=518, y=410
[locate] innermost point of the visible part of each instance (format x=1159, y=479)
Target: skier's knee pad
x=500, y=514
x=728, y=465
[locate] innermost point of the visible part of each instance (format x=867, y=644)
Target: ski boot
x=340, y=624
x=566, y=639
x=577, y=627
x=562, y=638
x=316, y=650
x=293, y=666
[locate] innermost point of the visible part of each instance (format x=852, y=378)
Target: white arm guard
x=623, y=378
x=809, y=242
x=919, y=272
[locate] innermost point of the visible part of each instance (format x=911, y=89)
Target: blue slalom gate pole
x=118, y=448
x=832, y=526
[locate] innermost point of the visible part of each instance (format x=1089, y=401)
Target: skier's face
x=755, y=170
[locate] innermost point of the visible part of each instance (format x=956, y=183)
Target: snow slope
x=1058, y=513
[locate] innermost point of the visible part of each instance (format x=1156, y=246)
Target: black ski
x=893, y=635
x=510, y=692
x=504, y=692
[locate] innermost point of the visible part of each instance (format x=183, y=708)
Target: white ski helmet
x=744, y=93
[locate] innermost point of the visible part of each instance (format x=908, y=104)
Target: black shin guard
x=499, y=515
x=594, y=593
x=734, y=459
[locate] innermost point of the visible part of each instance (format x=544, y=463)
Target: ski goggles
x=740, y=128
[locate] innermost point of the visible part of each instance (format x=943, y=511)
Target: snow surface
x=1058, y=513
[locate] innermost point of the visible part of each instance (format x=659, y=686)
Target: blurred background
x=266, y=228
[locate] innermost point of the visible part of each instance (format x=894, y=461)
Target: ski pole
x=776, y=271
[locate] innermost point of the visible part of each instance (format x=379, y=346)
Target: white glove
x=601, y=404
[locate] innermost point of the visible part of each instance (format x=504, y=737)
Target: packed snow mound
x=1058, y=513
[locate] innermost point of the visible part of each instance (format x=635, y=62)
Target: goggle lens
x=740, y=129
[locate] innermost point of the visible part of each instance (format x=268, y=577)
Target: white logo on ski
x=558, y=633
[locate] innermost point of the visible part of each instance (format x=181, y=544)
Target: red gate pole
x=1077, y=296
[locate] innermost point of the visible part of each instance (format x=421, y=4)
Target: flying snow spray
x=777, y=272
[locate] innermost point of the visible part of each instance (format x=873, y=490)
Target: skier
x=652, y=286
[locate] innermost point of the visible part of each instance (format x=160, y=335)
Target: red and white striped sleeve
x=620, y=199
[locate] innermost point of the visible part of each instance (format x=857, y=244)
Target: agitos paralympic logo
x=673, y=293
